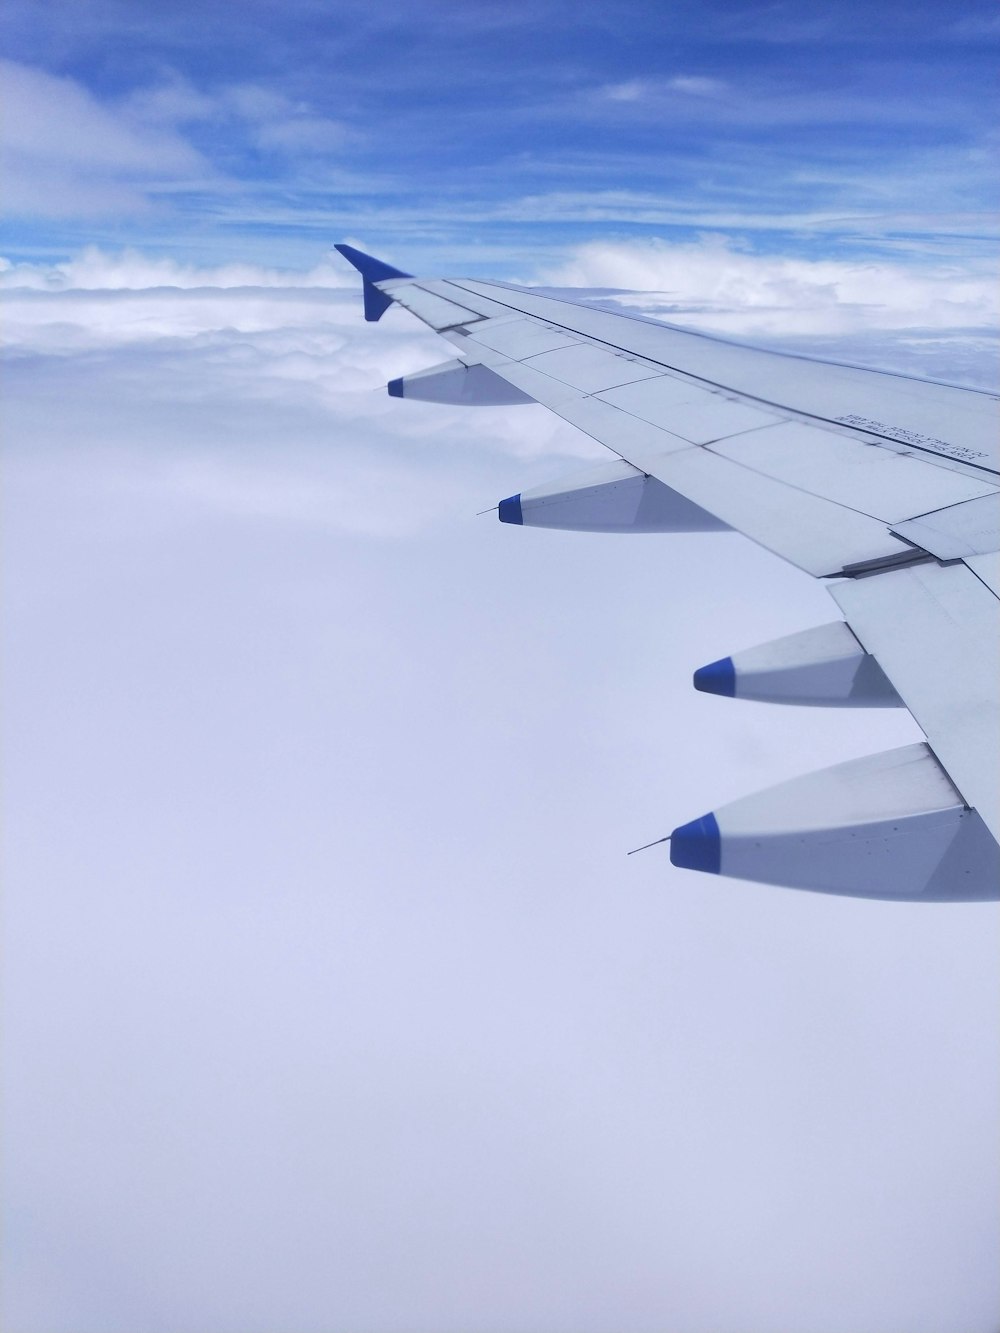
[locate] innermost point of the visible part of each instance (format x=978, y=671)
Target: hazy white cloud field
x=332, y=1002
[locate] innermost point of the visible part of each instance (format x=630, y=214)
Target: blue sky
x=503, y=132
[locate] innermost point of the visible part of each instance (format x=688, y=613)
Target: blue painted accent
x=697, y=846
x=376, y=302
x=395, y=388
x=510, y=510
x=717, y=678
x=370, y=268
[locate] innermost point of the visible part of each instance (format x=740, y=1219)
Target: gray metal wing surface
x=886, y=486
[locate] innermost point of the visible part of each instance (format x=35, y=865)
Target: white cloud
x=173, y=101
x=277, y=124
x=48, y=118
x=736, y=290
x=926, y=318
x=632, y=91
x=698, y=85
x=974, y=27
x=647, y=90
x=258, y=352
x=302, y=135
x=68, y=155
x=880, y=212
x=332, y=1000
x=130, y=269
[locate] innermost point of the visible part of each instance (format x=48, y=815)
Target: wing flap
x=987, y=569
x=887, y=484
x=521, y=338
x=816, y=535
x=971, y=528
x=828, y=494
x=692, y=411
x=935, y=631
x=631, y=438
x=592, y=369
x=813, y=532
x=550, y=392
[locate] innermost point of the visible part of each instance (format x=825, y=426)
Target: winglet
x=697, y=846
x=510, y=510
x=372, y=270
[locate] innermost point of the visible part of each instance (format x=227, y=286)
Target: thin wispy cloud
x=633, y=91
x=768, y=292
x=641, y=90
x=95, y=269
x=698, y=85
x=735, y=116
x=68, y=155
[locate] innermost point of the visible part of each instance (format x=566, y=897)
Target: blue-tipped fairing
x=697, y=846
x=510, y=509
x=717, y=678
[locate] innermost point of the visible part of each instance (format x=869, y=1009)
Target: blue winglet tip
x=376, y=302
x=395, y=388
x=717, y=678
x=370, y=268
x=510, y=510
x=697, y=846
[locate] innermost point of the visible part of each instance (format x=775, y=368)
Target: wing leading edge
x=886, y=485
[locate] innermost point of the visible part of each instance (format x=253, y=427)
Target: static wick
x=487, y=511
x=646, y=845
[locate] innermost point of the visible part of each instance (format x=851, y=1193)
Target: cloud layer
x=66, y=155
x=331, y=998
x=929, y=318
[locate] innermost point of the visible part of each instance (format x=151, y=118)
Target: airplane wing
x=887, y=486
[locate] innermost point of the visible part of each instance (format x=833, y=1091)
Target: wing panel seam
x=745, y=397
